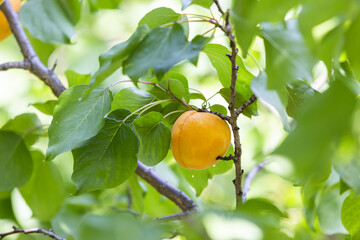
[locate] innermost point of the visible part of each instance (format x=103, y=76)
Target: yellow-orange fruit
x=198, y=138
x=5, y=30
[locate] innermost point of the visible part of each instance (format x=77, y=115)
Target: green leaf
x=154, y=138
x=299, y=93
x=158, y=17
x=219, y=108
x=75, y=78
x=160, y=50
x=353, y=49
x=246, y=14
x=16, y=162
x=137, y=194
x=203, y=3
x=44, y=199
x=46, y=107
x=329, y=211
x=131, y=98
x=96, y=5
x=258, y=86
x=107, y=159
x=26, y=125
x=350, y=215
x=326, y=120
x=113, y=59
x=240, y=100
x=77, y=119
x=197, y=95
x=350, y=173
x=287, y=56
x=217, y=55
x=115, y=225
x=47, y=20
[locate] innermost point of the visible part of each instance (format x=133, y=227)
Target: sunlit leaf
x=76, y=119
x=75, y=78
x=131, y=98
x=349, y=215
x=46, y=107
x=203, y=3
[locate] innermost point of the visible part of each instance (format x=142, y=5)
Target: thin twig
x=36, y=66
x=250, y=176
x=251, y=100
x=49, y=77
x=178, y=216
x=16, y=230
x=174, y=194
x=222, y=116
x=9, y=65
x=219, y=7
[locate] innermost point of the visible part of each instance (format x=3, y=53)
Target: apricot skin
x=198, y=138
x=5, y=30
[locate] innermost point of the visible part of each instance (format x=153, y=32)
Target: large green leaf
x=26, y=125
x=246, y=14
x=272, y=97
x=48, y=20
x=350, y=215
x=287, y=56
x=203, y=3
x=45, y=191
x=321, y=126
x=159, y=16
x=154, y=138
x=76, y=119
x=161, y=49
x=46, y=107
x=75, y=78
x=107, y=159
x=131, y=98
x=15, y=161
x=299, y=93
x=353, y=49
x=113, y=59
x=217, y=55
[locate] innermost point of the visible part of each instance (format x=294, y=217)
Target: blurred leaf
x=329, y=211
x=77, y=119
x=137, y=194
x=250, y=111
x=219, y=108
x=115, y=225
x=47, y=20
x=353, y=49
x=75, y=78
x=262, y=206
x=44, y=199
x=247, y=14
x=46, y=107
x=217, y=55
x=16, y=162
x=271, y=97
x=96, y=5
x=113, y=59
x=287, y=56
x=203, y=3
x=299, y=93
x=131, y=98
x=160, y=50
x=350, y=212
x=66, y=222
x=154, y=138
x=107, y=159
x=350, y=173
x=42, y=49
x=158, y=17
x=26, y=125
x=326, y=119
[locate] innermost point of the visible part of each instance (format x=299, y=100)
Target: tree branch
x=16, y=230
x=250, y=176
x=35, y=66
x=222, y=116
x=174, y=194
x=251, y=100
x=23, y=65
x=178, y=216
x=227, y=29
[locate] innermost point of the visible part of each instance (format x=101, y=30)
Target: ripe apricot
x=5, y=30
x=198, y=138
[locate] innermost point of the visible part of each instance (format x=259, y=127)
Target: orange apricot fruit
x=198, y=138
x=5, y=30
